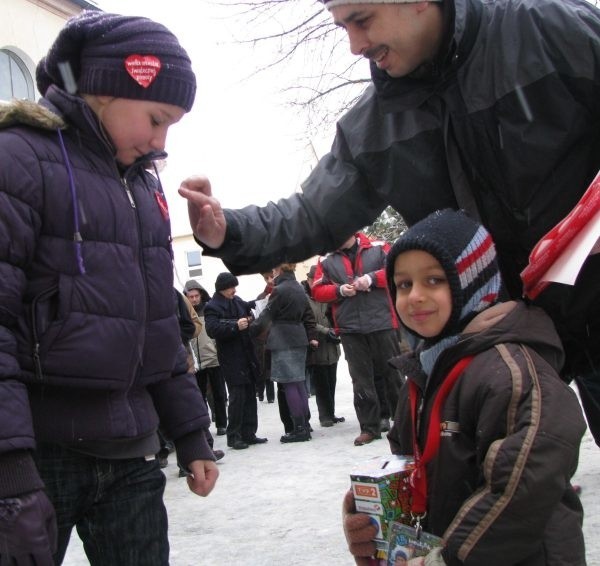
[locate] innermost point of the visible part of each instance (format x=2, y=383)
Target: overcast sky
x=240, y=132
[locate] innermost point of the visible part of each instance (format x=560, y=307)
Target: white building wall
x=28, y=27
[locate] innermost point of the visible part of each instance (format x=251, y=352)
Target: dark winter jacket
x=235, y=349
x=89, y=341
x=328, y=352
x=287, y=316
x=510, y=113
x=499, y=487
x=367, y=311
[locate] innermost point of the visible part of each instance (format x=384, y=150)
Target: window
x=15, y=78
x=194, y=261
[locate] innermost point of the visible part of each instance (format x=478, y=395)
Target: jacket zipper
x=35, y=354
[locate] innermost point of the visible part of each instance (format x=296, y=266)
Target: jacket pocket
x=45, y=327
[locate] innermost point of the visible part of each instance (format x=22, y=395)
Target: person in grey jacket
x=491, y=107
x=91, y=358
x=205, y=351
x=321, y=362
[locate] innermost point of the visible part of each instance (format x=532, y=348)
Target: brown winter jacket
x=499, y=487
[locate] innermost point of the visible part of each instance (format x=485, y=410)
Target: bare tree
x=300, y=35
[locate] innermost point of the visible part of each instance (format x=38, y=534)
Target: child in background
x=90, y=353
x=497, y=489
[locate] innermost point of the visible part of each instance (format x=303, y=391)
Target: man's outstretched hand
x=206, y=215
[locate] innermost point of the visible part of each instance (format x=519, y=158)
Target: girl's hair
x=288, y=267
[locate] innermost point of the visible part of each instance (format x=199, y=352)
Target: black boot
x=300, y=432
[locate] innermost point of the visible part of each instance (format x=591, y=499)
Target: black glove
x=333, y=337
x=27, y=530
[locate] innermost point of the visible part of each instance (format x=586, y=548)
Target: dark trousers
x=116, y=506
x=367, y=356
x=214, y=377
x=243, y=419
x=324, y=379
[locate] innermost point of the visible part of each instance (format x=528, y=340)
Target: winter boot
x=300, y=432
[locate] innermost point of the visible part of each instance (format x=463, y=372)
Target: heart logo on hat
x=143, y=68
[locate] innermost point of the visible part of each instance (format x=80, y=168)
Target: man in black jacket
x=492, y=107
x=227, y=319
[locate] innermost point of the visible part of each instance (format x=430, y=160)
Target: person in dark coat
x=91, y=358
x=494, y=432
x=490, y=107
x=292, y=327
x=227, y=319
x=321, y=362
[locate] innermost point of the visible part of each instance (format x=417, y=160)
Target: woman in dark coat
x=292, y=327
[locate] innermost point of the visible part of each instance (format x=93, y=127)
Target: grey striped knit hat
x=467, y=254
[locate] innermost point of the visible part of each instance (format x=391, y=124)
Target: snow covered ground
x=280, y=504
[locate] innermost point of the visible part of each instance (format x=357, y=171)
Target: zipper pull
x=129, y=195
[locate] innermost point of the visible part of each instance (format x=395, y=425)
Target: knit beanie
x=121, y=56
x=333, y=3
x=466, y=252
x=226, y=280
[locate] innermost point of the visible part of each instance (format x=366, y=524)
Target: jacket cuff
x=18, y=474
x=193, y=446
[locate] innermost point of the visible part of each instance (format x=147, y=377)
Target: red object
x=162, y=204
x=143, y=68
x=552, y=244
x=418, y=480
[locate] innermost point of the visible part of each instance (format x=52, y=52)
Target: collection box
x=381, y=489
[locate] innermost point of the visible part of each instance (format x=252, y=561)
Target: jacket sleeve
x=324, y=290
x=20, y=196
x=526, y=470
x=336, y=200
x=183, y=413
x=310, y=322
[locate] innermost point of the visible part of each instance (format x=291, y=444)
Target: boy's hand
x=203, y=476
x=359, y=531
x=27, y=530
x=206, y=215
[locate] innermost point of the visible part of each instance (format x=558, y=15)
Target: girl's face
x=135, y=127
x=423, y=297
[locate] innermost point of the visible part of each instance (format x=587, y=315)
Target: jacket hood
x=514, y=322
x=28, y=113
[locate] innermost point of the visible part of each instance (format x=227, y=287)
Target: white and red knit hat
x=333, y=3
x=467, y=254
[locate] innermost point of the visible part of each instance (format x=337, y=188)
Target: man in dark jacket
x=227, y=319
x=353, y=280
x=487, y=106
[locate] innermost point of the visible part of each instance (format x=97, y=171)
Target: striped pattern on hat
x=333, y=3
x=467, y=254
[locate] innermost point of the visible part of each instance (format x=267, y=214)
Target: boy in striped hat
x=494, y=431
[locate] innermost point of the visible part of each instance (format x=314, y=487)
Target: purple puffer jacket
x=87, y=326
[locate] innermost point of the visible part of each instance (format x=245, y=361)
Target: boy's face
x=397, y=37
x=136, y=127
x=423, y=296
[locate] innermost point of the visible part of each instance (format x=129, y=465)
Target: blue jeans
x=116, y=505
